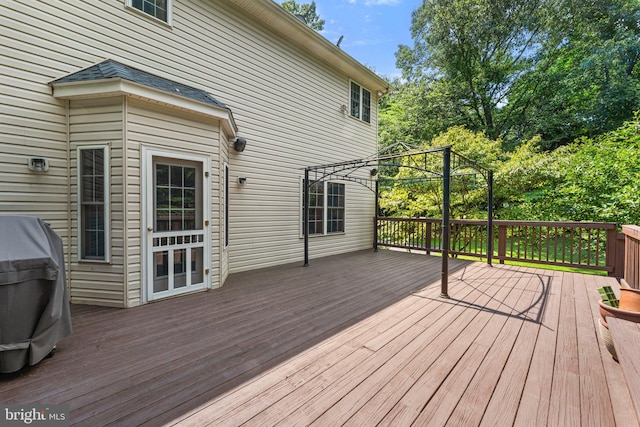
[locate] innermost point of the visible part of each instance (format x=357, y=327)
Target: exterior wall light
x=239, y=144
x=38, y=164
x=242, y=180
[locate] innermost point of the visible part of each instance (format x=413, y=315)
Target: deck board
x=446, y=358
x=357, y=339
x=471, y=406
x=497, y=343
x=593, y=411
x=503, y=405
x=536, y=395
x=564, y=408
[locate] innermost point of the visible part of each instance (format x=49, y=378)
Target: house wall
x=287, y=106
x=224, y=250
x=285, y=102
x=156, y=127
x=99, y=122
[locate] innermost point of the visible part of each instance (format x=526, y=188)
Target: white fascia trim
x=121, y=87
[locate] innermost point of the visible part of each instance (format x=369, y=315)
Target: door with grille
x=177, y=224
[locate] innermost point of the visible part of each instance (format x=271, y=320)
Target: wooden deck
x=360, y=339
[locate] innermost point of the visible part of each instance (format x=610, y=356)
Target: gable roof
x=110, y=69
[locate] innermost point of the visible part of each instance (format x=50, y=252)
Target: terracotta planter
x=608, y=311
x=606, y=338
x=630, y=299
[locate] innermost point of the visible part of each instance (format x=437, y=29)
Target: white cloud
x=376, y=2
x=362, y=42
x=381, y=2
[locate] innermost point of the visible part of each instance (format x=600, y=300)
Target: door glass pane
x=162, y=175
x=160, y=271
x=189, y=219
x=189, y=198
x=176, y=176
x=162, y=220
x=190, y=178
x=177, y=198
x=162, y=194
x=197, y=273
x=179, y=268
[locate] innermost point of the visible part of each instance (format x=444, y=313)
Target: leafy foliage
x=307, y=11
x=590, y=180
x=417, y=193
x=600, y=179
x=514, y=69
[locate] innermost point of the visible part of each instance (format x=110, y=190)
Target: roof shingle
x=110, y=69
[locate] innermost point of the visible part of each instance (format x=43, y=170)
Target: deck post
x=490, y=218
x=375, y=220
x=305, y=211
x=446, y=185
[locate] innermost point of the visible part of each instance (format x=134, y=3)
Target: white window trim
x=360, y=110
x=169, y=20
x=325, y=209
x=226, y=187
x=107, y=203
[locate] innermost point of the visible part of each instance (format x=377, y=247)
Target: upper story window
x=360, y=103
x=159, y=9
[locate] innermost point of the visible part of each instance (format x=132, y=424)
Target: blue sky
x=372, y=29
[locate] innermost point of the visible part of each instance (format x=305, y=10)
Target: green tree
x=307, y=11
x=415, y=112
x=524, y=178
x=516, y=68
x=593, y=179
x=414, y=193
x=473, y=53
x=600, y=179
x=591, y=82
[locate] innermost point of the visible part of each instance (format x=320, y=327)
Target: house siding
x=224, y=251
x=158, y=128
x=99, y=123
x=286, y=103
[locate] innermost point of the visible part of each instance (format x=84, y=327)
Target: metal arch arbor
x=453, y=165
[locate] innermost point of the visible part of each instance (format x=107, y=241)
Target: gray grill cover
x=34, y=308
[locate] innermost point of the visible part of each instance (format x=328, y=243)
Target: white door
x=177, y=205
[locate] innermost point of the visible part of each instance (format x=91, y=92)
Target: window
x=316, y=208
x=226, y=205
x=93, y=202
x=326, y=208
x=360, y=103
x=335, y=207
x=159, y=9
x=177, y=202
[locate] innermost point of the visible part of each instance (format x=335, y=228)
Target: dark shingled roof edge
x=110, y=69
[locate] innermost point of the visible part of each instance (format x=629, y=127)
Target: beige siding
x=159, y=128
x=224, y=251
x=285, y=103
x=32, y=123
x=91, y=123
